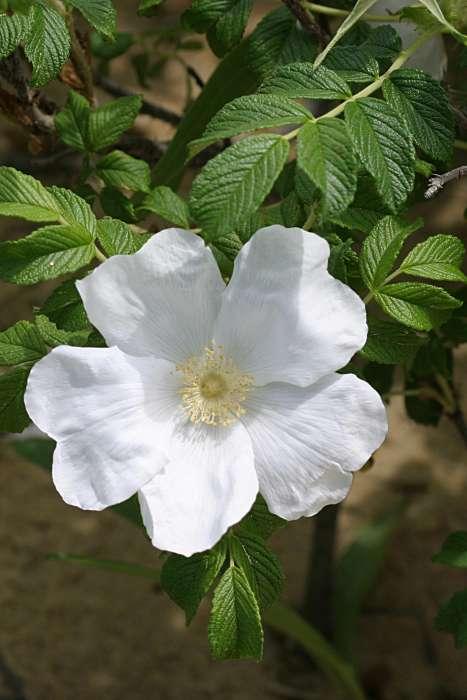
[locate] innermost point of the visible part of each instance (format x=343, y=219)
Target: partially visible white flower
x=208, y=394
x=431, y=57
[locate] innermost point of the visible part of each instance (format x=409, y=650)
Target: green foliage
x=21, y=343
x=100, y=14
x=454, y=551
x=302, y=80
x=420, y=306
x=72, y=122
x=13, y=416
x=452, y=618
x=438, y=258
x=390, y=343
x=13, y=30
x=260, y=566
x=47, y=44
x=235, y=625
x=384, y=144
x=352, y=64
x=53, y=336
x=168, y=205
x=234, y=183
x=188, y=579
x=65, y=308
x=117, y=238
x=118, y=169
x=359, y=9
x=223, y=20
x=325, y=155
x=260, y=521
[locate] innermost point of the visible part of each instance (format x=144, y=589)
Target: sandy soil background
x=73, y=634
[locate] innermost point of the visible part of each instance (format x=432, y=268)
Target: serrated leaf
x=65, y=308
x=72, y=122
x=235, y=630
x=225, y=251
x=390, y=343
x=234, y=183
x=250, y=113
x=438, y=258
x=417, y=305
x=260, y=521
x=13, y=416
x=109, y=122
x=384, y=43
x=188, y=579
x=25, y=197
x=358, y=10
x=381, y=248
x=117, y=238
x=228, y=30
x=353, y=64
x=74, y=211
x=21, y=343
x=324, y=153
x=452, y=617
x=454, y=551
x=13, y=29
x=366, y=209
x=118, y=169
x=425, y=107
x=261, y=567
x=164, y=202
x=54, y=336
x=47, y=43
x=302, y=80
x=45, y=254
x=117, y=205
x=385, y=147
x=100, y=14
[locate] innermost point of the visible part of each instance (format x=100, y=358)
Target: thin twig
x=459, y=421
x=165, y=115
x=437, y=182
x=195, y=75
x=306, y=20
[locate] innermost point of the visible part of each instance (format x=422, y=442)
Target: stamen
x=214, y=388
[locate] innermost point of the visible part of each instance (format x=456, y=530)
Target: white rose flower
x=208, y=394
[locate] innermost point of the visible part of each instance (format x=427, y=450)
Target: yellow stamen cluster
x=213, y=388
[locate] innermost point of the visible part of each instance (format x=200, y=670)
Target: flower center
x=213, y=388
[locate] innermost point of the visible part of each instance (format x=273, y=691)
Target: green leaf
x=356, y=574
x=417, y=305
x=45, y=254
x=250, y=113
x=234, y=183
x=228, y=31
x=72, y=122
x=260, y=521
x=118, y=169
x=21, y=343
x=74, y=211
x=117, y=205
x=366, y=209
x=353, y=64
x=439, y=258
x=240, y=73
x=114, y=565
x=390, y=343
x=13, y=29
x=385, y=147
x=358, y=10
x=117, y=238
x=100, y=14
x=109, y=122
x=65, y=308
x=188, y=579
x=381, y=248
x=235, y=630
x=13, y=416
x=435, y=10
x=225, y=251
x=54, y=336
x=23, y=196
x=324, y=153
x=302, y=80
x=146, y=6
x=47, y=44
x=452, y=617
x=454, y=551
x=168, y=205
x=107, y=49
x=261, y=567
x=36, y=450
x=425, y=107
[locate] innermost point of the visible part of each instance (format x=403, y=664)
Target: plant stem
x=99, y=255
x=336, y=12
x=319, y=584
x=79, y=59
x=309, y=24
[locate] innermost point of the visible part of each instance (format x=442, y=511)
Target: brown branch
x=165, y=115
x=306, y=20
x=459, y=421
x=437, y=182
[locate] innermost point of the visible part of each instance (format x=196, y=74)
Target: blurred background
x=69, y=633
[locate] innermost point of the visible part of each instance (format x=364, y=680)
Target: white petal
x=162, y=301
x=107, y=412
x=307, y=440
x=431, y=57
x=209, y=485
x=283, y=317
